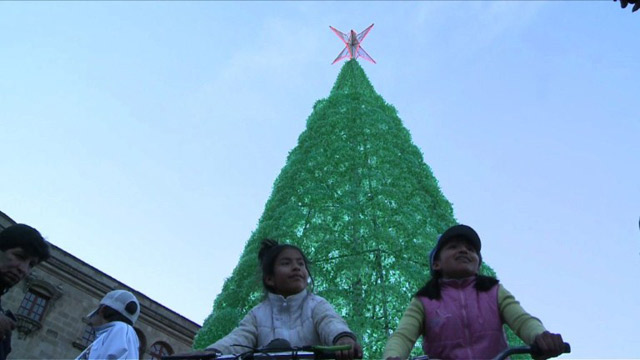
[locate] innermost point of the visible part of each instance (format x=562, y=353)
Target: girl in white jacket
x=289, y=312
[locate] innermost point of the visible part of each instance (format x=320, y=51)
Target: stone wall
x=74, y=289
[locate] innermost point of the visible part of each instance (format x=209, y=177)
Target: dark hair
x=27, y=238
x=110, y=314
x=269, y=251
x=431, y=289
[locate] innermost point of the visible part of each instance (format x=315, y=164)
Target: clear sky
x=144, y=138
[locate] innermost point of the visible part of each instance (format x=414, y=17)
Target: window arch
x=39, y=296
x=33, y=305
x=160, y=349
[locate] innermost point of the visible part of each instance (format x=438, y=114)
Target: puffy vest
x=464, y=323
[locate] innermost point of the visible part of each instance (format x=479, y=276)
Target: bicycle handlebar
x=325, y=352
x=194, y=356
x=305, y=352
x=533, y=350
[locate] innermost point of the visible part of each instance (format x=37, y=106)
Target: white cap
x=118, y=301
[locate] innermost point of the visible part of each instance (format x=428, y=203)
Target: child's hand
x=354, y=353
x=550, y=345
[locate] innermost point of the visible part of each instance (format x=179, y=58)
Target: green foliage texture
x=357, y=197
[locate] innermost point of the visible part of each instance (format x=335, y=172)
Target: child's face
x=97, y=319
x=290, y=273
x=457, y=259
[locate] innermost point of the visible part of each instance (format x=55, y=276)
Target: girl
x=460, y=313
x=290, y=311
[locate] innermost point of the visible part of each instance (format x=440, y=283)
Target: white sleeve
x=119, y=343
x=328, y=323
x=246, y=333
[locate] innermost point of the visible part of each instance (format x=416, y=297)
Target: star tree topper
x=353, y=50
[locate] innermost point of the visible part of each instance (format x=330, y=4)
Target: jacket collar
x=105, y=327
x=291, y=300
x=458, y=283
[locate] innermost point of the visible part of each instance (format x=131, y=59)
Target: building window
x=159, y=349
x=87, y=336
x=39, y=296
x=33, y=305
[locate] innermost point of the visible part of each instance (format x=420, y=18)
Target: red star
x=352, y=43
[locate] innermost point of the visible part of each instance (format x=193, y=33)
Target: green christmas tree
x=357, y=197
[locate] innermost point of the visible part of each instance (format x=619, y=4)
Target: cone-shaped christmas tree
x=358, y=198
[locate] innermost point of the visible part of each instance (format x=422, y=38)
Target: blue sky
x=145, y=137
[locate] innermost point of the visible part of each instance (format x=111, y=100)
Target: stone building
x=52, y=301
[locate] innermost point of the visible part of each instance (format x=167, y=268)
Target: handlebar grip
x=194, y=356
x=535, y=350
x=327, y=352
x=331, y=348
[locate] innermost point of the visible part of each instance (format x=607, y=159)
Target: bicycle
x=532, y=350
x=276, y=349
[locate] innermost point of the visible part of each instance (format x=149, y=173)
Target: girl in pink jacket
x=460, y=314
